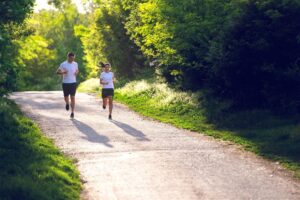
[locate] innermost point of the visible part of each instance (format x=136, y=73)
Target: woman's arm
x=102, y=82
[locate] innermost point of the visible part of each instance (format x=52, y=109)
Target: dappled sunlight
x=159, y=92
x=135, y=87
x=90, y=85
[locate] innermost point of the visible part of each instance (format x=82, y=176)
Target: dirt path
x=132, y=158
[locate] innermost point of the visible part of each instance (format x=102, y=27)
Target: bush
x=260, y=63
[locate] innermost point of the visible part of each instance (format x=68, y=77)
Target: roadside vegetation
x=229, y=69
x=31, y=167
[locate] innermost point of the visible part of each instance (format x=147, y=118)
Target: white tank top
x=107, y=77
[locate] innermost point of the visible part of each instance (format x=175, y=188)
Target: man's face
x=71, y=58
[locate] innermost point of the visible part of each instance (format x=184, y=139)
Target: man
x=107, y=82
x=69, y=71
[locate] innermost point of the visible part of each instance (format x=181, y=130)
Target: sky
x=42, y=4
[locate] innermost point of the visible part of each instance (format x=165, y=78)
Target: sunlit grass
x=90, y=85
x=158, y=92
x=31, y=167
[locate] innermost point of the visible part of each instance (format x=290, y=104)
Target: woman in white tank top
x=107, y=82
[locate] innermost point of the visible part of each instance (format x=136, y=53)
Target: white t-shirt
x=107, y=77
x=70, y=77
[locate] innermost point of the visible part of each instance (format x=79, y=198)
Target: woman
x=107, y=82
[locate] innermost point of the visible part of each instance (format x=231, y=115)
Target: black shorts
x=69, y=89
x=107, y=92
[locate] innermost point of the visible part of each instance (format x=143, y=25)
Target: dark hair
x=70, y=54
x=103, y=64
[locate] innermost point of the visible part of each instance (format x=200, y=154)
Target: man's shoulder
x=63, y=63
x=75, y=64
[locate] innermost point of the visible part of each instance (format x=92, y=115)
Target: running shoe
x=72, y=115
x=67, y=107
x=109, y=117
x=104, y=107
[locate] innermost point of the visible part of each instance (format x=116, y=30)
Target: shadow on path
x=131, y=131
x=91, y=134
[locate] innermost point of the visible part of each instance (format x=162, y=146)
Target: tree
x=37, y=62
x=260, y=64
x=51, y=39
x=12, y=14
x=179, y=35
x=106, y=39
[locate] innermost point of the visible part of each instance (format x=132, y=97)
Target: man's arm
x=77, y=70
x=61, y=71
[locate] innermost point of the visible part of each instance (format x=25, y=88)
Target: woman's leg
x=110, y=99
x=104, y=102
x=73, y=103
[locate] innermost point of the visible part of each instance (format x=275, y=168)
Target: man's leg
x=67, y=100
x=72, y=94
x=66, y=95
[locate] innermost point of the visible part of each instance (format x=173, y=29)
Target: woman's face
x=106, y=68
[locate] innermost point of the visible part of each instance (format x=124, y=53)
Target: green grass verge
x=90, y=85
x=31, y=167
x=258, y=131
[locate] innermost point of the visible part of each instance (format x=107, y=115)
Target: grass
x=31, y=167
x=258, y=131
x=90, y=85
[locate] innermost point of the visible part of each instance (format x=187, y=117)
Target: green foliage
x=14, y=11
x=37, y=62
x=30, y=166
x=260, y=65
x=93, y=46
x=42, y=52
x=12, y=14
x=179, y=35
x=105, y=39
x=244, y=50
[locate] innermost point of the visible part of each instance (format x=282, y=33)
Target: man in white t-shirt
x=107, y=82
x=69, y=71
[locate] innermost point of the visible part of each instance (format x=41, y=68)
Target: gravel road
x=135, y=158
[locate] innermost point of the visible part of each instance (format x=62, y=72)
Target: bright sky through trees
x=43, y=4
